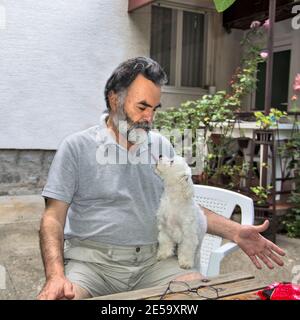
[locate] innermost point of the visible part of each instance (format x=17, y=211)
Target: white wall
x=55, y=57
x=228, y=58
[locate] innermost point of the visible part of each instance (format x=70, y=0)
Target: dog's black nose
x=160, y=156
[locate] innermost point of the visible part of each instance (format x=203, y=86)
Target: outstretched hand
x=258, y=248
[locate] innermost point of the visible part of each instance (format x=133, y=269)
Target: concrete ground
x=20, y=255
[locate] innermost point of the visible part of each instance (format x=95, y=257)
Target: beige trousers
x=104, y=269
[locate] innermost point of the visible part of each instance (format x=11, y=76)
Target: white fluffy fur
x=181, y=222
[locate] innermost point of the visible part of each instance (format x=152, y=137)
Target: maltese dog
x=181, y=221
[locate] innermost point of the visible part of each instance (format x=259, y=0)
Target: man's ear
x=113, y=99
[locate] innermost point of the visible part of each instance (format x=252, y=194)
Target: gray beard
x=134, y=132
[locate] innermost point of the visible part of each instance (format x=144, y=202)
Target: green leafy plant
x=291, y=151
x=261, y=194
x=292, y=220
x=270, y=120
x=230, y=175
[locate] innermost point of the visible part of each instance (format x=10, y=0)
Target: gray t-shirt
x=110, y=202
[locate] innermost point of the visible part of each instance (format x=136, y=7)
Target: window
x=177, y=43
x=280, y=81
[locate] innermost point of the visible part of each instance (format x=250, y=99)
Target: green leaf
x=222, y=5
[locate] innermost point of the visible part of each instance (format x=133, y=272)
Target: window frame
x=208, y=58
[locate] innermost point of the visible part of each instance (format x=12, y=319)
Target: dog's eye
x=171, y=162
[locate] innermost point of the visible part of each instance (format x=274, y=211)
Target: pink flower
x=255, y=24
x=294, y=98
x=267, y=24
x=296, y=85
x=264, y=54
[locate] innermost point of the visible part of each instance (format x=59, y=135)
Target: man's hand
x=249, y=239
x=58, y=287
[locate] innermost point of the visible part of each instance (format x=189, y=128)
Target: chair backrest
x=222, y=202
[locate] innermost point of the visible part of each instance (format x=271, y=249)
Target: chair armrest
x=225, y=249
x=217, y=256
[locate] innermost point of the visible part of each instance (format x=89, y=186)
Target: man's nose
x=148, y=116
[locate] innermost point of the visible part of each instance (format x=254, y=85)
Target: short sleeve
x=62, y=179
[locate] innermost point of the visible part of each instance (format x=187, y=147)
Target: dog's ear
x=187, y=187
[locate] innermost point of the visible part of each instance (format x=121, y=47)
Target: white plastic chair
x=222, y=202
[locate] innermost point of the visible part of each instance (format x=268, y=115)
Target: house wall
x=55, y=57
x=228, y=53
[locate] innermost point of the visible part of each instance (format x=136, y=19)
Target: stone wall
x=24, y=171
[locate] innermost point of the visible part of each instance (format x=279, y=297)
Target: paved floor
x=20, y=256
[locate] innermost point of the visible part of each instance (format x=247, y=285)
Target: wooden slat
x=160, y=290
x=227, y=290
x=244, y=296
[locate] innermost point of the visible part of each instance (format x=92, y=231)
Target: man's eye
x=142, y=108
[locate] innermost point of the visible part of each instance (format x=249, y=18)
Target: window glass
x=192, y=50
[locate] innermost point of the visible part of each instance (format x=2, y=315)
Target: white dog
x=181, y=222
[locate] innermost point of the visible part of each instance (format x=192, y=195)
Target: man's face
x=141, y=102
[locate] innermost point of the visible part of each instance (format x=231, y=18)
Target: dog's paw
x=185, y=263
x=164, y=254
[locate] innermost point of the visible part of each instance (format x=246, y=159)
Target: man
x=98, y=233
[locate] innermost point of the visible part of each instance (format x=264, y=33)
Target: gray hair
x=126, y=73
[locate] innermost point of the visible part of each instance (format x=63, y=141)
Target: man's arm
x=247, y=237
x=51, y=243
x=220, y=226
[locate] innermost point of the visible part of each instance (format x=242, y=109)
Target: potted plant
x=268, y=121
x=261, y=195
